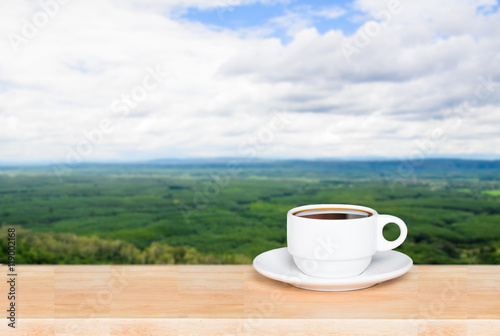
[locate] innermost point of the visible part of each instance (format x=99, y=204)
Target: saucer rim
x=350, y=281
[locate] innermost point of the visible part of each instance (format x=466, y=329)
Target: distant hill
x=385, y=169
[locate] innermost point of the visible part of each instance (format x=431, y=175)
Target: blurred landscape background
x=206, y=211
x=182, y=131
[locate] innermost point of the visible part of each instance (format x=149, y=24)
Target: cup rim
x=311, y=207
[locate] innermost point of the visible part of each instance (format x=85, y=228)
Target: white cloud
x=224, y=85
x=330, y=12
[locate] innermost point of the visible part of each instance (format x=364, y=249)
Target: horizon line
x=473, y=157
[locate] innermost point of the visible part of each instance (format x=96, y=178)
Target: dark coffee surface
x=334, y=216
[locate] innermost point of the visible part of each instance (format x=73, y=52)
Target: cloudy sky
x=145, y=79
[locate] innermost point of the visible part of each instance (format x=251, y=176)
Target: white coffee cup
x=338, y=240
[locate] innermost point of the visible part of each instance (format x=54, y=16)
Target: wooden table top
x=236, y=300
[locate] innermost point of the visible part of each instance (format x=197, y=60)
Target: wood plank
x=238, y=327
x=147, y=291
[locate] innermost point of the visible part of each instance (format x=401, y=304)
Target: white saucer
x=278, y=265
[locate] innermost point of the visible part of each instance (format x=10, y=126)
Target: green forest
x=213, y=212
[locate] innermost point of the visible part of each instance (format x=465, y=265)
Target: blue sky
x=259, y=14
x=245, y=78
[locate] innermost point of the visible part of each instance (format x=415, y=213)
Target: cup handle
x=382, y=243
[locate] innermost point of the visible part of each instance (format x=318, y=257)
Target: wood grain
x=237, y=327
x=236, y=300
